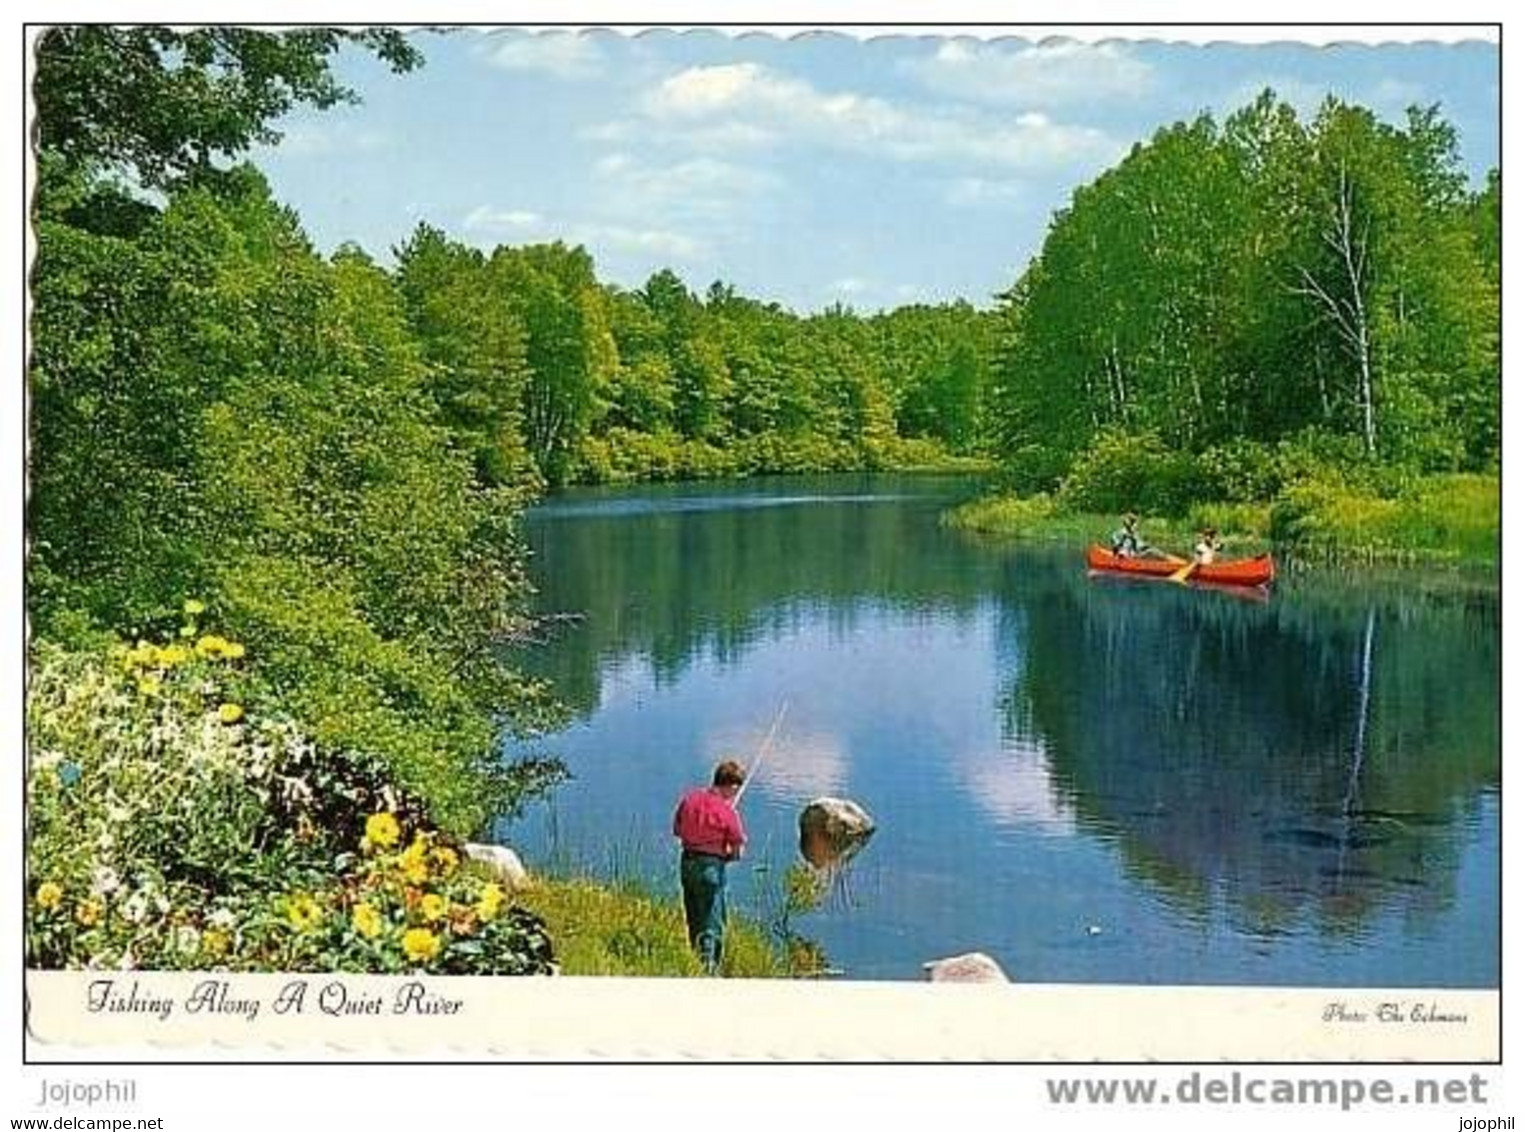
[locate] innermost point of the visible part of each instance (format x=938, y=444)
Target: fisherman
x=710, y=830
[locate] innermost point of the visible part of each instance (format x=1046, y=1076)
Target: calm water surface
x=1092, y=780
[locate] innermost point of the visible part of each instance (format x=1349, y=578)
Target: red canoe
x=1241, y=572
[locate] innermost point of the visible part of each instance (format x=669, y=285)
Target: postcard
x=661, y=544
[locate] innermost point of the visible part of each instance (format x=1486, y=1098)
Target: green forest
x=274, y=493
x=1297, y=314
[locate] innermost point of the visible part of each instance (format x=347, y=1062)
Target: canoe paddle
x=1181, y=574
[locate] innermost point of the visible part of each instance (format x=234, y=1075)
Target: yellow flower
x=230, y=713
x=172, y=655
x=367, y=920
x=187, y=631
x=149, y=685
x=211, y=645
x=415, y=861
x=447, y=860
x=382, y=829
x=434, y=907
x=89, y=913
x=490, y=902
x=303, y=912
x=420, y=944
x=194, y=607
x=214, y=941
x=233, y=650
x=49, y=896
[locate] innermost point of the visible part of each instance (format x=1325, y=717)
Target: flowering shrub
x=172, y=824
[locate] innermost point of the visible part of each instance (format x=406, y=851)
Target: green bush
x=174, y=823
x=1236, y=523
x=1124, y=471
x=1034, y=469
x=1002, y=514
x=1452, y=517
x=1239, y=471
x=220, y=411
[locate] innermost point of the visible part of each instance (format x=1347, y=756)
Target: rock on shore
x=504, y=863
x=971, y=967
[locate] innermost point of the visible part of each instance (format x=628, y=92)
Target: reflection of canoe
x=1241, y=572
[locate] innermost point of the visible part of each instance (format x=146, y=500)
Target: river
x=1090, y=779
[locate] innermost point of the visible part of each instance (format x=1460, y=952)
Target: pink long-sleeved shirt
x=707, y=823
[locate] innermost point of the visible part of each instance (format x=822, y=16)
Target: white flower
x=136, y=908
x=104, y=881
x=187, y=939
x=223, y=918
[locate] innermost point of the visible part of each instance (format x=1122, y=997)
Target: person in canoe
x=1128, y=543
x=1207, y=547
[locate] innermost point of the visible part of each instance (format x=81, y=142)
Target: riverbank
x=628, y=457
x=1450, y=520
x=623, y=929
x=180, y=820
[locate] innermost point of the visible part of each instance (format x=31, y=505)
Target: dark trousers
x=703, y=878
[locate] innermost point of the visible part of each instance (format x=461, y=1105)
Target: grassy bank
x=601, y=929
x=178, y=818
x=1244, y=528
x=1450, y=520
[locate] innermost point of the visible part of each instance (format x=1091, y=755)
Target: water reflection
x=1298, y=791
x=1308, y=758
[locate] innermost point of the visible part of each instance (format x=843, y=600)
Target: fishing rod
x=761, y=753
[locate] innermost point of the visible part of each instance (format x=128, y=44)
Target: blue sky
x=808, y=171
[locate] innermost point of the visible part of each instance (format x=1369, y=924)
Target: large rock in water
x=503, y=862
x=972, y=967
x=832, y=830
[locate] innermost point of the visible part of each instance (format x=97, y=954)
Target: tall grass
x=1242, y=527
x=611, y=911
x=1440, y=519
x=603, y=929
x=1443, y=520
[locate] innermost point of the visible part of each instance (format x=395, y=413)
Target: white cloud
x=697, y=192
x=851, y=285
x=658, y=241
x=1014, y=787
x=802, y=765
x=763, y=104
x=485, y=218
x=522, y=224
x=697, y=180
x=702, y=90
x=563, y=55
x=1044, y=74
